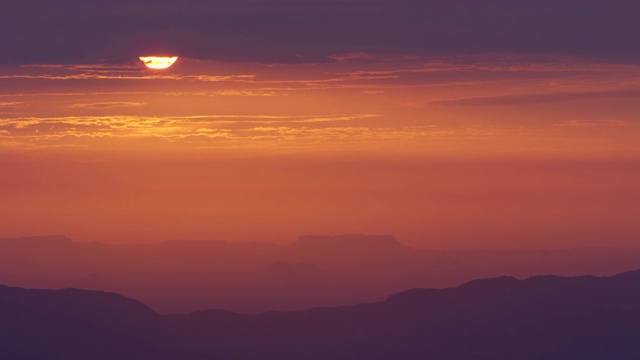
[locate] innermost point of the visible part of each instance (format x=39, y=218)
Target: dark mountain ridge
x=184, y=276
x=543, y=317
x=76, y=324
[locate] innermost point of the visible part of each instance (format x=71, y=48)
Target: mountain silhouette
x=76, y=324
x=542, y=317
x=185, y=276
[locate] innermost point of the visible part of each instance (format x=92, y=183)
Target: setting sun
x=158, y=62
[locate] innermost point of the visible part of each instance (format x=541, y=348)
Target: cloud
x=596, y=124
x=10, y=104
x=256, y=80
x=249, y=93
x=489, y=62
x=93, y=68
x=107, y=76
x=106, y=105
x=72, y=94
x=373, y=57
x=202, y=131
x=12, y=107
x=167, y=126
x=538, y=98
x=298, y=31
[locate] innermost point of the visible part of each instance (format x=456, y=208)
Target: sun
x=158, y=62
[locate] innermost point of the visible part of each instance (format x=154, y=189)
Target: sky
x=450, y=124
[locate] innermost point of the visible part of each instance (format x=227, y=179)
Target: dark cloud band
x=307, y=31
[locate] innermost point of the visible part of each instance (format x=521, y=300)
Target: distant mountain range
x=543, y=317
x=185, y=276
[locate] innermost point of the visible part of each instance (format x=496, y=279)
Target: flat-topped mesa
x=37, y=240
x=349, y=241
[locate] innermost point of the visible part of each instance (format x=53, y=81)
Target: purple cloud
x=307, y=31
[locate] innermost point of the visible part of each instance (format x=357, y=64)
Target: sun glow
x=158, y=62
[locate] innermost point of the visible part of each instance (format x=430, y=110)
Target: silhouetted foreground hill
x=76, y=324
x=545, y=317
x=185, y=276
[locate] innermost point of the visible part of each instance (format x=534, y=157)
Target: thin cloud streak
x=11, y=104
x=106, y=105
x=538, y=98
x=203, y=78
x=597, y=124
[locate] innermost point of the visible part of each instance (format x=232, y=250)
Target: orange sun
x=158, y=62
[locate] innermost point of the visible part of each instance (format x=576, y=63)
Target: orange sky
x=487, y=150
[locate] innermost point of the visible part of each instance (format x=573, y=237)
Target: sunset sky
x=449, y=124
